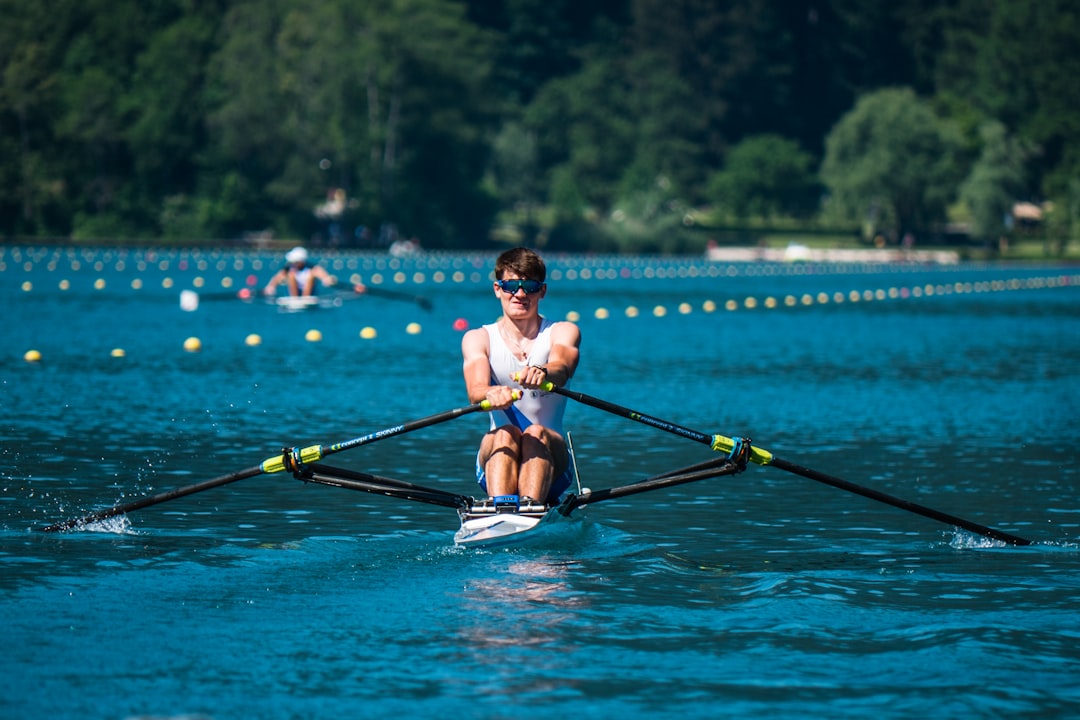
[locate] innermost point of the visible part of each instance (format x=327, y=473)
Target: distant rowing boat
x=189, y=299
x=299, y=303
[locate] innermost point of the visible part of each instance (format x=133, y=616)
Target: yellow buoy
x=117, y=352
x=413, y=328
x=313, y=336
x=253, y=340
x=601, y=314
x=573, y=316
x=193, y=344
x=368, y=333
x=32, y=356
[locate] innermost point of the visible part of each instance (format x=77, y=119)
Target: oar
x=366, y=482
x=189, y=299
x=393, y=295
x=764, y=457
x=287, y=460
x=694, y=473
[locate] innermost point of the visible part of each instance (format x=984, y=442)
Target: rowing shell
x=299, y=303
x=504, y=529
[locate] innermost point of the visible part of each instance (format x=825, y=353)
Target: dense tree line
x=605, y=124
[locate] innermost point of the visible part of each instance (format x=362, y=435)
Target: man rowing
x=298, y=276
x=523, y=460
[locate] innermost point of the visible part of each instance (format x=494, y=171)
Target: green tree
x=164, y=119
x=995, y=183
x=767, y=176
x=891, y=162
x=30, y=180
x=585, y=131
x=385, y=100
x=1016, y=62
x=704, y=75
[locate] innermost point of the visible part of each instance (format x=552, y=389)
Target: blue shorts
x=559, y=485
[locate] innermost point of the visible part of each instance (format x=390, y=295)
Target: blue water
x=759, y=595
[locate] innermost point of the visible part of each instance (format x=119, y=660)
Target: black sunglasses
x=512, y=286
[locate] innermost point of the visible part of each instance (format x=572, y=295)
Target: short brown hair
x=523, y=261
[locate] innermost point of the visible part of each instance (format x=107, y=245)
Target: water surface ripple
x=757, y=595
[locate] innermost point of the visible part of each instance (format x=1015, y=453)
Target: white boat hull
x=291, y=303
x=503, y=529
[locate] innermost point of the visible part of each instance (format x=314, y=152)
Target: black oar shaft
x=365, y=482
x=155, y=499
x=633, y=415
x=405, y=427
x=764, y=457
x=420, y=300
x=654, y=483
x=898, y=502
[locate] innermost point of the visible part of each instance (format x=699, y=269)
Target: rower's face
x=516, y=302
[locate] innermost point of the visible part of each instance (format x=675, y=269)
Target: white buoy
x=189, y=300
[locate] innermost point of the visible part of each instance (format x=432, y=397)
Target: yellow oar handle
x=721, y=443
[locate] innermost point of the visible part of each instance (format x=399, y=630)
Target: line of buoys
x=806, y=299
x=194, y=344
x=377, y=267
x=852, y=296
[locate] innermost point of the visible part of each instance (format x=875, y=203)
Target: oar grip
x=486, y=404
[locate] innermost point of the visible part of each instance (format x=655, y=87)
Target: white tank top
x=303, y=275
x=535, y=406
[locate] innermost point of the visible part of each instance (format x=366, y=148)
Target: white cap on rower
x=296, y=255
